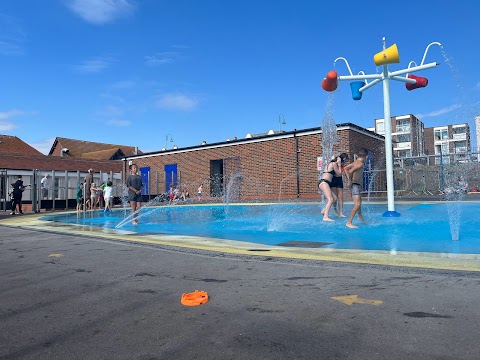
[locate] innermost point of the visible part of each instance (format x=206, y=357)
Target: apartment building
x=477, y=130
x=407, y=135
x=448, y=139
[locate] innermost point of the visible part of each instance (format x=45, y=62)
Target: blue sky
x=133, y=72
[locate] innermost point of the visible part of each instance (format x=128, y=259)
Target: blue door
x=170, y=176
x=145, y=171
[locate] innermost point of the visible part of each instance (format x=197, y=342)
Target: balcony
x=461, y=136
x=403, y=145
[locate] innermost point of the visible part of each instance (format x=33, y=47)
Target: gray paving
x=74, y=297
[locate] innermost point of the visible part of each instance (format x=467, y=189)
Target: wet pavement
x=68, y=295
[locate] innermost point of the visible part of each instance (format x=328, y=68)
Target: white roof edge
x=253, y=140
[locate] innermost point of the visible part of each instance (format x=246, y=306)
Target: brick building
x=19, y=158
x=272, y=166
x=81, y=149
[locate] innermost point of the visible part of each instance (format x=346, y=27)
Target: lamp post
x=281, y=121
x=166, y=140
x=360, y=84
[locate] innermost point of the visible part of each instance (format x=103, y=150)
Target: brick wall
x=268, y=166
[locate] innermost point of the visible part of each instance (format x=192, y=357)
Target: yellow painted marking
x=351, y=299
x=55, y=255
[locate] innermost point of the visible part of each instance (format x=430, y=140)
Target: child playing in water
x=325, y=183
x=354, y=173
x=337, y=186
x=134, y=185
x=108, y=196
x=79, y=196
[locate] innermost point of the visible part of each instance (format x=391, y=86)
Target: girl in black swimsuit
x=332, y=168
x=337, y=186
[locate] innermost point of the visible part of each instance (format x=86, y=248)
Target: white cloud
x=99, y=12
x=12, y=36
x=43, y=146
x=177, y=101
x=93, y=65
x=111, y=111
x=439, y=112
x=118, y=122
x=160, y=58
x=7, y=126
x=5, y=115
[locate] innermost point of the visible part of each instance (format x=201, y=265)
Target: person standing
x=17, y=192
x=337, y=186
x=199, y=192
x=87, y=186
x=79, y=196
x=354, y=173
x=93, y=195
x=45, y=186
x=108, y=196
x=134, y=185
x=324, y=185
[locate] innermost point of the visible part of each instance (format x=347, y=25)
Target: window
x=404, y=153
x=441, y=149
x=403, y=125
x=460, y=147
x=441, y=134
x=380, y=127
x=403, y=138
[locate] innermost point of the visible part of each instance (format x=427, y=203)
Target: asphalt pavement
x=81, y=297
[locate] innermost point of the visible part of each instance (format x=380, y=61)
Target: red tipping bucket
x=421, y=82
x=330, y=83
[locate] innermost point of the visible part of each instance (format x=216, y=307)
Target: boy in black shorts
x=354, y=173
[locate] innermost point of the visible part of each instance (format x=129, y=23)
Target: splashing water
x=455, y=189
x=232, y=190
x=140, y=213
x=371, y=180
x=329, y=130
x=455, y=184
x=123, y=190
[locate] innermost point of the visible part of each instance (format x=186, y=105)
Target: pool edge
x=423, y=260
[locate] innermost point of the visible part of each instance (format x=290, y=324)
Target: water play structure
x=360, y=84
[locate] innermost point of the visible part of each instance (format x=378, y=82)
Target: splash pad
x=424, y=227
x=360, y=84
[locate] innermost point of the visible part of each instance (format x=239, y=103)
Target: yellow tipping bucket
x=387, y=56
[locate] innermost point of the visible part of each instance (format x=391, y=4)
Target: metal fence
x=62, y=189
x=428, y=175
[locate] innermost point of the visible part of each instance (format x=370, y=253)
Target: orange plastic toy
x=194, y=299
x=330, y=83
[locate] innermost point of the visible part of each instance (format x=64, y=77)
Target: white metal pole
x=388, y=143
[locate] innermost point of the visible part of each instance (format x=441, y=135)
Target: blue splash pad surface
x=420, y=228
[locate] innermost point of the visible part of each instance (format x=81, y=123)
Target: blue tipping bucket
x=355, y=86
